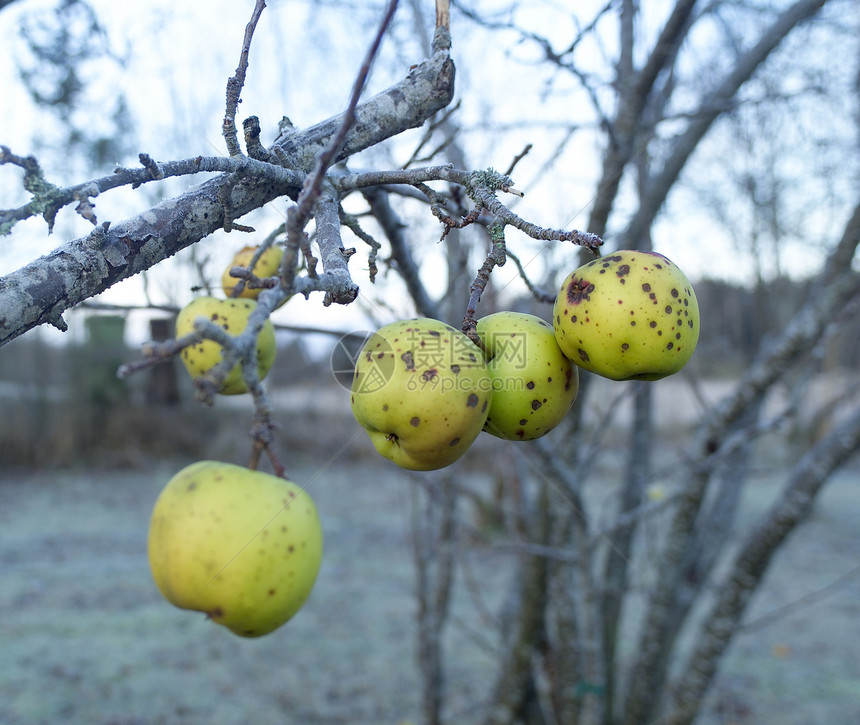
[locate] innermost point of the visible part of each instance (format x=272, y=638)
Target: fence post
x=163, y=386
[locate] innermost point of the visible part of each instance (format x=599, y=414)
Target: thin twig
x=350, y=221
x=236, y=82
x=519, y=157
x=49, y=199
x=311, y=190
x=428, y=134
x=245, y=275
x=299, y=215
x=495, y=258
x=820, y=594
x=539, y=294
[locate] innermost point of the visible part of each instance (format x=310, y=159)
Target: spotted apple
x=242, y=546
x=534, y=384
x=267, y=266
x=232, y=315
x=630, y=315
x=422, y=391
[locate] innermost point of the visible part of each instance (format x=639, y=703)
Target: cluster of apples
x=424, y=391
x=231, y=313
x=242, y=546
x=245, y=547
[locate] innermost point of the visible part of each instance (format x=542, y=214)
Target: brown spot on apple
x=579, y=290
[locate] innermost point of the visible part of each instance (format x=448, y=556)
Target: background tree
x=665, y=91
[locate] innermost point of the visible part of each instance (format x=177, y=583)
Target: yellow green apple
x=534, y=384
x=267, y=266
x=232, y=315
x=422, y=391
x=630, y=315
x=240, y=545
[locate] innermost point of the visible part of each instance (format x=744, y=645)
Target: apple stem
x=496, y=258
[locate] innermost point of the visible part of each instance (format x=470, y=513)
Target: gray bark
x=752, y=561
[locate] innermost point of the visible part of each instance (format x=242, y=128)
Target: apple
x=232, y=315
x=534, y=384
x=267, y=266
x=422, y=391
x=240, y=545
x=630, y=315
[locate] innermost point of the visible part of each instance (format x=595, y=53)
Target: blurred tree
x=64, y=44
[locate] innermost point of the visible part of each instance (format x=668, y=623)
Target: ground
x=86, y=637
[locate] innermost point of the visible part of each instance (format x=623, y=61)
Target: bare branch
x=516, y=675
x=330, y=154
x=400, y=251
x=431, y=128
x=298, y=216
x=539, y=294
x=236, y=82
x=365, y=179
x=752, y=560
x=350, y=221
x=495, y=258
x=49, y=199
x=443, y=14
x=39, y=292
x=772, y=363
x=434, y=539
x=683, y=147
x=334, y=256
x=622, y=131
x=252, y=131
x=519, y=157
x=590, y=241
